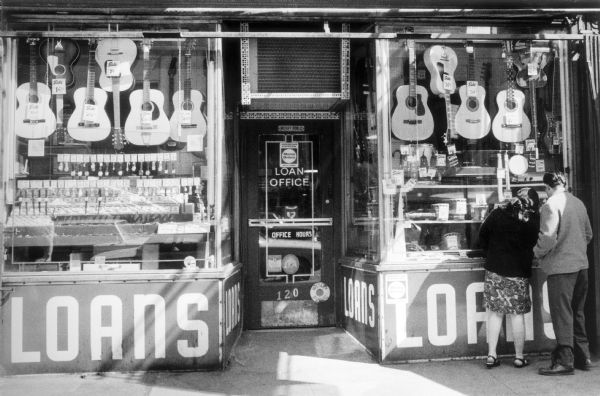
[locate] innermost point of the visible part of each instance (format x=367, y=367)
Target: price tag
x=79, y=158
x=35, y=147
x=519, y=148
x=36, y=183
x=422, y=172
x=61, y=183
x=389, y=188
x=146, y=117
x=421, y=74
x=513, y=118
x=540, y=166
x=185, y=117
x=33, y=111
x=153, y=157
x=113, y=68
x=461, y=207
x=90, y=112
x=128, y=158
x=448, y=85
x=431, y=172
x=472, y=88
x=147, y=157
x=59, y=86
x=404, y=149
x=556, y=142
x=172, y=156
x=134, y=158
x=53, y=183
x=398, y=176
x=113, y=158
x=451, y=149
x=60, y=157
x=452, y=160
x=197, y=181
x=120, y=157
x=440, y=160
x=532, y=69
x=530, y=145
x=480, y=199
x=194, y=142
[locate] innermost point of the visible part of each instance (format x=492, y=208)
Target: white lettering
x=72, y=333
x=357, y=302
x=402, y=338
x=17, y=354
x=371, y=306
x=140, y=302
x=114, y=331
x=201, y=328
x=474, y=316
x=432, y=314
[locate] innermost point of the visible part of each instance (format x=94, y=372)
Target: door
x=288, y=184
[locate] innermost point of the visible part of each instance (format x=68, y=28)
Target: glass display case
x=469, y=125
x=113, y=155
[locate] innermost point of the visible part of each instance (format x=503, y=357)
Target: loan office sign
x=437, y=314
x=115, y=327
x=289, y=173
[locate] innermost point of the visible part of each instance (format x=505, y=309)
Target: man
x=565, y=231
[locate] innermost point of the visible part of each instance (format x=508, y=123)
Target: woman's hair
x=529, y=199
x=554, y=179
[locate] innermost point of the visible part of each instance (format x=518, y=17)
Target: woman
x=507, y=236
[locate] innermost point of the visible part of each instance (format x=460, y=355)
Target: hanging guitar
x=60, y=63
x=33, y=118
x=172, y=145
x=441, y=61
x=412, y=119
x=115, y=57
x=535, y=80
x=552, y=139
x=147, y=123
x=188, y=118
x=472, y=119
x=89, y=122
x=510, y=125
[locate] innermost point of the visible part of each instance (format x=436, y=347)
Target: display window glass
x=363, y=220
x=113, y=155
x=470, y=124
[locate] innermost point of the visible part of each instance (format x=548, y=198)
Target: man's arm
x=549, y=221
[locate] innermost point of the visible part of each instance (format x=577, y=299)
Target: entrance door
x=288, y=184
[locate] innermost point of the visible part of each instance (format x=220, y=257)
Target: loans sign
x=112, y=327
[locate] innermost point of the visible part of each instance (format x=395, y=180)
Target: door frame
x=337, y=197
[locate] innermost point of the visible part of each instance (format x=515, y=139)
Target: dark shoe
x=492, y=361
x=520, y=362
x=587, y=365
x=556, y=369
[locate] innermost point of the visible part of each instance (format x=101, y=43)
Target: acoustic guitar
x=115, y=57
x=510, y=125
x=472, y=120
x=60, y=55
x=441, y=61
x=89, y=122
x=412, y=119
x=187, y=119
x=147, y=124
x=33, y=118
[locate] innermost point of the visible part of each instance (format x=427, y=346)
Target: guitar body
x=60, y=68
x=97, y=126
x=472, y=120
x=34, y=119
x=147, y=131
x=412, y=119
x=511, y=124
x=441, y=60
x=115, y=57
x=196, y=125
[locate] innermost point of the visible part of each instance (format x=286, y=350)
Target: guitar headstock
x=118, y=140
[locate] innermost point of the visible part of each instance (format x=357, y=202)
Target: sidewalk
x=319, y=362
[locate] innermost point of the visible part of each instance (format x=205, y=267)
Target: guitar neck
x=116, y=103
x=91, y=77
x=450, y=119
x=412, y=68
x=32, y=70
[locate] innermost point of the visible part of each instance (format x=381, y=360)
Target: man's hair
x=554, y=179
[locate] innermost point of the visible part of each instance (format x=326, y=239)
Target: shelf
x=445, y=221
x=420, y=186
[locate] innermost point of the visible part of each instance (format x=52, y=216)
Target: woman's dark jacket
x=508, y=243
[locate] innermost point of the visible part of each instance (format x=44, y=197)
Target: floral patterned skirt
x=506, y=295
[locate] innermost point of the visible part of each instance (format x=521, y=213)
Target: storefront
x=173, y=175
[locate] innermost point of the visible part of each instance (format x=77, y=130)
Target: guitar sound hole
x=187, y=105
x=151, y=106
x=59, y=70
x=33, y=99
x=411, y=102
x=472, y=104
x=511, y=105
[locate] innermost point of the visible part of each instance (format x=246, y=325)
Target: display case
x=470, y=123
x=113, y=154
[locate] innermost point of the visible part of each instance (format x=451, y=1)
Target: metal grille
x=298, y=65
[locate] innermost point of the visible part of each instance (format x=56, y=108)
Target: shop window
x=470, y=123
x=363, y=219
x=113, y=155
